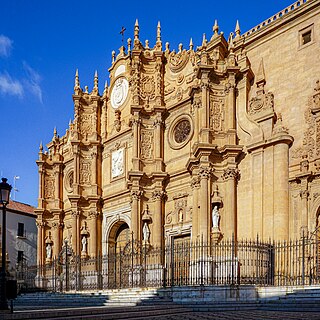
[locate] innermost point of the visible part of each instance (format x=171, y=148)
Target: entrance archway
x=119, y=236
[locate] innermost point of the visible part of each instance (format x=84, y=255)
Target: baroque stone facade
x=206, y=143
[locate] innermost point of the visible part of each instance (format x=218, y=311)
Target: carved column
x=135, y=213
x=204, y=111
x=204, y=221
x=230, y=176
x=76, y=166
x=195, y=185
x=157, y=236
x=281, y=191
x=158, y=142
x=136, y=143
x=40, y=243
x=304, y=194
x=93, y=217
x=195, y=113
x=75, y=231
x=56, y=227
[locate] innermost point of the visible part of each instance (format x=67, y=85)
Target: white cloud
x=10, y=86
x=33, y=80
x=5, y=46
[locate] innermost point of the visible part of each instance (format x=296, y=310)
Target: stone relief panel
x=216, y=114
x=311, y=142
x=177, y=61
x=86, y=124
x=146, y=144
x=49, y=186
x=85, y=171
x=262, y=103
x=117, y=163
x=147, y=88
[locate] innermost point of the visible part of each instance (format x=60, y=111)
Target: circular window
x=180, y=131
x=69, y=179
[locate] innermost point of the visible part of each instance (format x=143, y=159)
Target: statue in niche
x=215, y=217
x=49, y=243
x=49, y=251
x=84, y=245
x=146, y=232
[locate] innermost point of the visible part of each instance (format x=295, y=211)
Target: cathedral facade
x=209, y=143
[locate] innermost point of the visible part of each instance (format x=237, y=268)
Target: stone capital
x=136, y=194
x=230, y=173
x=158, y=195
x=204, y=172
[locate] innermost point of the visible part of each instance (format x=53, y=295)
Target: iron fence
x=186, y=263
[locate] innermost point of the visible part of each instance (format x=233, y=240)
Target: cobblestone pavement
x=248, y=315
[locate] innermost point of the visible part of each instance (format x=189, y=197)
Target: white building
x=21, y=234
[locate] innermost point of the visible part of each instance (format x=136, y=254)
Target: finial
x=86, y=89
x=191, y=44
x=204, y=40
x=237, y=31
x=260, y=75
x=41, y=147
x=113, y=54
x=95, y=81
x=76, y=81
x=180, y=47
x=70, y=123
x=54, y=133
x=129, y=45
x=147, y=44
x=215, y=27
x=136, y=30
x=158, y=32
x=230, y=41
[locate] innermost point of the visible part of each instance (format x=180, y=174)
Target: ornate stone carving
x=49, y=189
x=311, y=141
x=119, y=92
x=216, y=114
x=205, y=172
x=117, y=120
x=93, y=214
x=85, y=171
x=316, y=98
x=86, y=125
x=279, y=128
x=195, y=182
x=230, y=173
x=158, y=195
x=146, y=144
x=147, y=88
x=117, y=163
x=195, y=105
x=263, y=102
x=177, y=61
x=136, y=194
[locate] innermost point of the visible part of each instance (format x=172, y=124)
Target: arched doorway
x=118, y=238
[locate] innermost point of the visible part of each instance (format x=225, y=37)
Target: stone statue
x=215, y=217
x=84, y=244
x=146, y=232
x=48, y=250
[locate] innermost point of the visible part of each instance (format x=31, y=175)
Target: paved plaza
x=248, y=315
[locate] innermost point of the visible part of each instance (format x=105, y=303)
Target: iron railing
x=183, y=264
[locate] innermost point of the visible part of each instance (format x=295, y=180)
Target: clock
x=119, y=92
x=117, y=168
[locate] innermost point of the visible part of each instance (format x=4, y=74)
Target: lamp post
x=5, y=189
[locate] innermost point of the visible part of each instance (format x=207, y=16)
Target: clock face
x=117, y=168
x=119, y=92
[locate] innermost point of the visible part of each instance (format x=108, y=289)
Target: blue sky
x=42, y=43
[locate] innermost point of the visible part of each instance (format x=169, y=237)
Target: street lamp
x=5, y=189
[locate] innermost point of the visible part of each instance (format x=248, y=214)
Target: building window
x=20, y=229
x=20, y=256
x=180, y=131
x=306, y=36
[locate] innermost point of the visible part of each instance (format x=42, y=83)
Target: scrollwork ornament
x=195, y=183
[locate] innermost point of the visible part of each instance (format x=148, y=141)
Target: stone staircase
x=300, y=299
